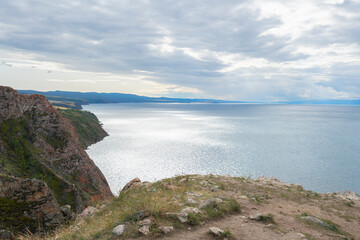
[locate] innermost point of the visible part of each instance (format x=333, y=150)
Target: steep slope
x=87, y=126
x=36, y=141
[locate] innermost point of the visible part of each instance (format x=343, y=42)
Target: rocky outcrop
x=27, y=203
x=36, y=141
x=56, y=144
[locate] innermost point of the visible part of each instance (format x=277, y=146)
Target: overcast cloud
x=258, y=50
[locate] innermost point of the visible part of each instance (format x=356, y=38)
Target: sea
x=317, y=146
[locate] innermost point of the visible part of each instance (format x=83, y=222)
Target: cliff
x=36, y=141
x=87, y=126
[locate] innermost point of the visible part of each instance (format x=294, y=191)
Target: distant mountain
x=84, y=98
x=324, y=102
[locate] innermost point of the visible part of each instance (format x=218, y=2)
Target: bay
x=316, y=146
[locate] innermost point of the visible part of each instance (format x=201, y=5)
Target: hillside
x=87, y=126
x=37, y=142
x=186, y=207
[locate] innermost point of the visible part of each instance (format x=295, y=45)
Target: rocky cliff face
x=28, y=203
x=37, y=142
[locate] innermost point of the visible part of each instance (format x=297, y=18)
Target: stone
x=301, y=235
x=166, y=229
x=184, y=214
x=145, y=222
x=214, y=189
x=66, y=211
x=138, y=216
x=183, y=217
x=144, y=230
x=182, y=180
x=133, y=183
x=218, y=200
x=119, y=230
x=90, y=210
x=216, y=231
x=256, y=217
x=351, y=195
x=6, y=235
x=243, y=197
x=207, y=203
x=191, y=201
x=193, y=194
x=191, y=210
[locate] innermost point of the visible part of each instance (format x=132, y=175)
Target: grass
x=267, y=219
x=156, y=204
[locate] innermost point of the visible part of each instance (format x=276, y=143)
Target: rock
x=145, y=222
x=66, y=211
x=183, y=215
x=218, y=200
x=54, y=148
x=191, y=210
x=256, y=217
x=191, y=201
x=301, y=235
x=133, y=183
x=269, y=179
x=193, y=194
x=144, y=230
x=216, y=231
x=351, y=195
x=336, y=193
x=214, y=189
x=119, y=230
x=207, y=203
x=243, y=197
x=138, y=216
x=318, y=222
x=38, y=203
x=166, y=229
x=204, y=183
x=87, y=212
x=182, y=180
x=6, y=235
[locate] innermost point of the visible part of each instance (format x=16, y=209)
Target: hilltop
x=186, y=207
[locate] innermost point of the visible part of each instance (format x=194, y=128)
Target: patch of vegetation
x=88, y=128
x=267, y=219
x=194, y=219
x=12, y=216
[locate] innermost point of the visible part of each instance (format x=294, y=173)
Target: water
x=313, y=145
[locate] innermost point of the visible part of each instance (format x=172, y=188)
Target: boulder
x=119, y=230
x=144, y=230
x=66, y=211
x=145, y=222
x=87, y=212
x=207, y=203
x=166, y=229
x=216, y=231
x=133, y=183
x=351, y=195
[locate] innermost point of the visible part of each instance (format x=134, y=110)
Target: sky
x=259, y=50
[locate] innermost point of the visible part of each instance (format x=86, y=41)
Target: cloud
x=242, y=50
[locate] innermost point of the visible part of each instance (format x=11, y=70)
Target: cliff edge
x=36, y=141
